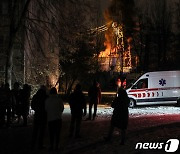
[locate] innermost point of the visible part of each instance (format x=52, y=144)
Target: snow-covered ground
x=105, y=111
x=146, y=124
x=161, y=110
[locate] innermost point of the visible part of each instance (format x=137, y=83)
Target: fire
x=107, y=44
x=109, y=51
x=115, y=54
x=108, y=37
x=116, y=57
x=114, y=40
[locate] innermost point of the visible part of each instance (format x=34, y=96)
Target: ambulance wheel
x=132, y=103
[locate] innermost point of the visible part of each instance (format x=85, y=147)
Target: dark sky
x=103, y=6
x=104, y=3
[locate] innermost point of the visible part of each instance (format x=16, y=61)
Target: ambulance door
x=141, y=91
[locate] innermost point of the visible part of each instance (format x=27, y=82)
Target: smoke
x=122, y=12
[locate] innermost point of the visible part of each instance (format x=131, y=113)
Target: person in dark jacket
x=94, y=94
x=120, y=115
x=5, y=105
x=78, y=109
x=2, y=105
x=8, y=102
x=40, y=117
x=16, y=98
x=25, y=94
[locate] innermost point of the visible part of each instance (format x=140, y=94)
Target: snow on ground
x=146, y=124
x=157, y=110
x=106, y=111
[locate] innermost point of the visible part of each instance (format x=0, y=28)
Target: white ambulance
x=155, y=88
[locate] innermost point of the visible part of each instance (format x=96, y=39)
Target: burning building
x=117, y=55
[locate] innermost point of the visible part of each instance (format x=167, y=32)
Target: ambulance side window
x=141, y=84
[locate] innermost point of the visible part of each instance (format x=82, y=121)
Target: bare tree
x=76, y=54
x=15, y=24
x=56, y=38
x=155, y=34
x=41, y=44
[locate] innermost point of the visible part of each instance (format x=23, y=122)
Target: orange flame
x=115, y=47
x=110, y=48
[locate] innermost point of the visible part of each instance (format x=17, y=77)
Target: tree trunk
x=9, y=64
x=13, y=29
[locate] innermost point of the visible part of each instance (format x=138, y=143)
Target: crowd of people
x=14, y=104
x=49, y=106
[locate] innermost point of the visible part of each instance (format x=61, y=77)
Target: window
x=141, y=84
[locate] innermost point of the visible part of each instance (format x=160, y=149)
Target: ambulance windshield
x=141, y=84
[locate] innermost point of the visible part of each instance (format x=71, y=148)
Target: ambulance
x=155, y=88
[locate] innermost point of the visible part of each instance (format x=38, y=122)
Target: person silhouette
x=2, y=105
x=24, y=105
x=8, y=103
x=54, y=107
x=16, y=98
x=78, y=109
x=94, y=94
x=120, y=115
x=40, y=116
